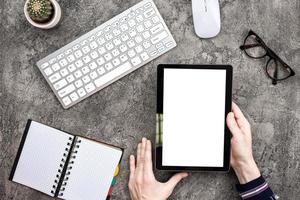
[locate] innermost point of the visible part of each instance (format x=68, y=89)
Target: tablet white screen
x=193, y=117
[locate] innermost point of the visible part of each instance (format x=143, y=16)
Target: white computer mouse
x=206, y=15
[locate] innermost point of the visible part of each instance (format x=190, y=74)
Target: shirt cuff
x=255, y=189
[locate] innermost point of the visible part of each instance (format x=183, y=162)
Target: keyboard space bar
x=113, y=74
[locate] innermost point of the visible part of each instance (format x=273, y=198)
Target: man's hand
x=241, y=159
x=142, y=183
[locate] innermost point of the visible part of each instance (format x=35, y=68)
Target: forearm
x=252, y=185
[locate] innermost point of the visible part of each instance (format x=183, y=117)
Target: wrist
x=247, y=172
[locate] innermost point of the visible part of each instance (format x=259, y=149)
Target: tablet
x=192, y=104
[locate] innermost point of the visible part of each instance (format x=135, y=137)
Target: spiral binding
x=74, y=150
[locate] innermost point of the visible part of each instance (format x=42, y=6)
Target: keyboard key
x=139, y=18
x=92, y=38
x=117, y=41
x=55, y=77
x=101, y=41
x=78, y=83
x=48, y=71
x=130, y=43
x=124, y=27
x=147, y=5
x=159, y=37
x=131, y=53
x=107, y=29
x=155, y=19
x=93, y=75
x=64, y=72
x=90, y=87
x=101, y=50
x=63, y=62
x=71, y=58
x=60, y=84
x=116, y=32
x=109, y=36
x=138, y=39
x=85, y=70
x=43, y=66
x=131, y=23
x=123, y=48
x=107, y=56
x=51, y=61
x=101, y=70
x=66, y=90
x=144, y=56
x=140, y=28
x=86, y=49
x=93, y=45
x=60, y=56
x=68, y=51
x=84, y=42
x=115, y=52
x=86, y=59
x=109, y=46
x=81, y=92
x=70, y=78
x=74, y=96
x=124, y=37
x=139, y=49
x=94, y=55
x=135, y=61
x=78, y=74
x=55, y=67
x=93, y=65
x=78, y=54
x=161, y=49
x=71, y=68
x=66, y=101
x=113, y=74
x=157, y=28
x=153, y=53
x=116, y=62
x=79, y=63
x=108, y=66
x=77, y=46
x=86, y=79
x=100, y=61
x=149, y=13
x=146, y=44
x=123, y=58
x=132, y=33
x=169, y=44
x=148, y=24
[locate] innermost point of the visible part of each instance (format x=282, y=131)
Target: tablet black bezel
x=228, y=97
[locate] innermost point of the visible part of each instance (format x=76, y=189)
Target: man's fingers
x=138, y=154
x=175, y=179
x=148, y=160
x=240, y=118
x=131, y=166
x=232, y=124
x=141, y=156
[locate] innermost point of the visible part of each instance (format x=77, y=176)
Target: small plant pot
x=55, y=18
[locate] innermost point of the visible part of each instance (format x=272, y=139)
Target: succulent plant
x=40, y=10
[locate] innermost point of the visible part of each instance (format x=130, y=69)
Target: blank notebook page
x=41, y=156
x=92, y=171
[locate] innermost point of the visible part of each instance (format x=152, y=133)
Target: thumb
x=175, y=179
x=232, y=124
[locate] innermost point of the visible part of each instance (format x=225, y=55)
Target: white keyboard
x=107, y=53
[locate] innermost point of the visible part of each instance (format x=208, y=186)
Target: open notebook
x=63, y=165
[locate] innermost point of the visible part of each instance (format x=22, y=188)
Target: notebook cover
x=11, y=176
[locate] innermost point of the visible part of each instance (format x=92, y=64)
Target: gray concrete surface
x=125, y=111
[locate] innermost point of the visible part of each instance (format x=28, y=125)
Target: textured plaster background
x=125, y=111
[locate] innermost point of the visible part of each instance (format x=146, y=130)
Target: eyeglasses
x=276, y=68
